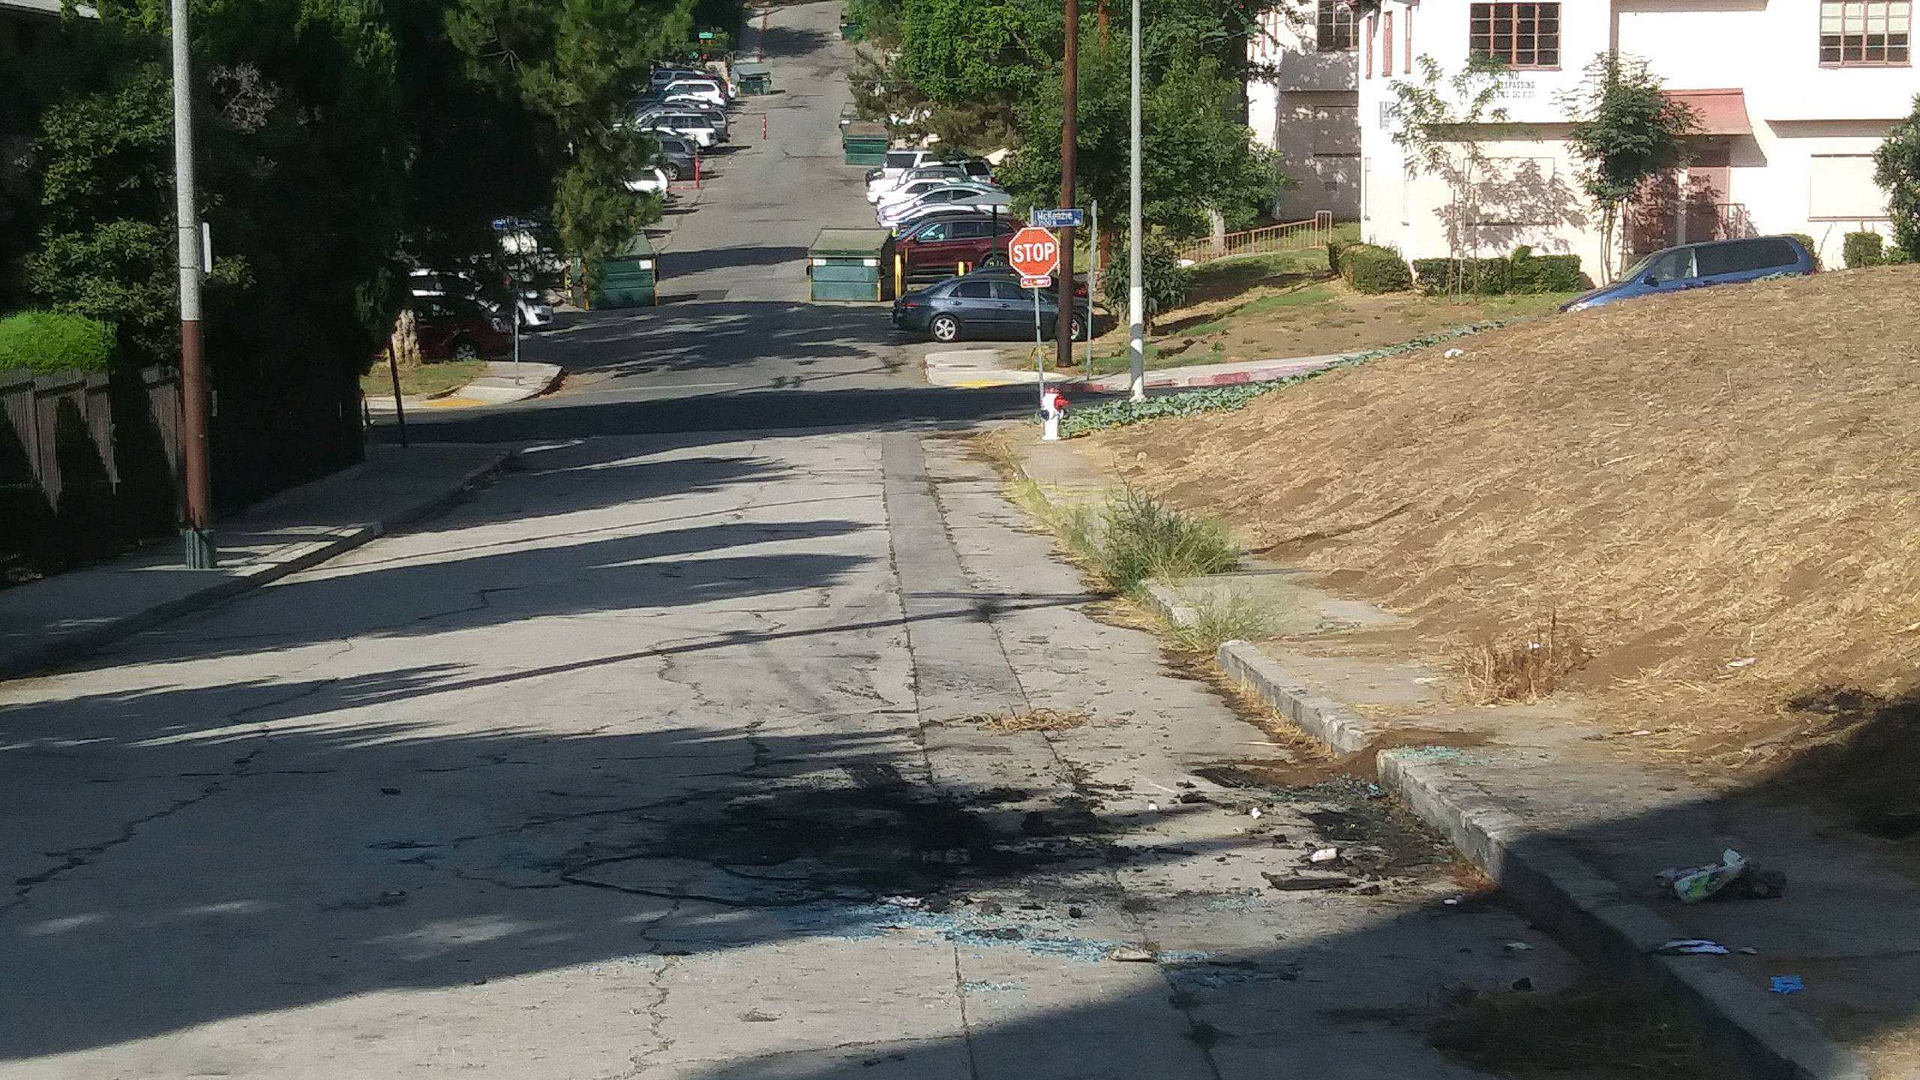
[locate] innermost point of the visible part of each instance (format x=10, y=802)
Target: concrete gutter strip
x=1566, y=897
x=291, y=559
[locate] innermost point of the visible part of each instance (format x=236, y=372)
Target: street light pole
x=1136, y=305
x=198, y=532
x=1069, y=148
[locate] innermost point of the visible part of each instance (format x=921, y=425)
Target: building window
x=1386, y=43
x=1866, y=33
x=1522, y=35
x=1335, y=23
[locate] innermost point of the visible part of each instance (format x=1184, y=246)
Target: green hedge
x=1372, y=269
x=52, y=341
x=1522, y=272
x=1864, y=249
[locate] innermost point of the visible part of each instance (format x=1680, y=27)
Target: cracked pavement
x=533, y=791
x=653, y=758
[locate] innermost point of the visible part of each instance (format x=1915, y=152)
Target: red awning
x=1721, y=112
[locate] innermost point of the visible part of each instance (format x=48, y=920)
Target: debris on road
x=1517, y=946
x=1787, y=984
x=1306, y=884
x=1324, y=855
x=1693, y=884
x=1130, y=954
x=1691, y=947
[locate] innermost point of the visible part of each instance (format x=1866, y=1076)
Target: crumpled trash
x=1691, y=947
x=1787, y=984
x=1325, y=854
x=1732, y=876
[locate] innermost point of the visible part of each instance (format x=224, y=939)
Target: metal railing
x=1270, y=240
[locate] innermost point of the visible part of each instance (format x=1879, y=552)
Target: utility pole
x=1136, y=305
x=1069, y=145
x=198, y=533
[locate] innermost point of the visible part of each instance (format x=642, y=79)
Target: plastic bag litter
x=1787, y=984
x=1692, y=947
x=1733, y=875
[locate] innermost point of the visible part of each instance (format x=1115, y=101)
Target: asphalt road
x=735, y=343
x=691, y=749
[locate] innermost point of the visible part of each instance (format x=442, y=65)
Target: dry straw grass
x=1721, y=489
x=1032, y=720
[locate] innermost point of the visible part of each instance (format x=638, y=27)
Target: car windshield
x=1639, y=269
x=900, y=161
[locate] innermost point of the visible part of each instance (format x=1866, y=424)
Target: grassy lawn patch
x=1289, y=304
x=425, y=378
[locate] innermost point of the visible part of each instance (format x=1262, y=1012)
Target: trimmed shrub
x=1864, y=249
x=1813, y=249
x=1446, y=277
x=1164, y=282
x=53, y=341
x=1334, y=248
x=1532, y=273
x=1373, y=269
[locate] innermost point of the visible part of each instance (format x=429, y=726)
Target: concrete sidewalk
x=48, y=623
x=978, y=367
x=504, y=381
x=1555, y=805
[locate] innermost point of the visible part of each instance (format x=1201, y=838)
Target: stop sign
x=1034, y=252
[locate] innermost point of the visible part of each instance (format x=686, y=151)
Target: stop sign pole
x=1035, y=254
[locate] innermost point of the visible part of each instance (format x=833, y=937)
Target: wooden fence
x=1288, y=236
x=54, y=415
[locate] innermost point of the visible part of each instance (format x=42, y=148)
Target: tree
x=1442, y=122
x=1197, y=157
x=1626, y=131
x=1896, y=167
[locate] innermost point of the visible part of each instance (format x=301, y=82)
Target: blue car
x=1695, y=266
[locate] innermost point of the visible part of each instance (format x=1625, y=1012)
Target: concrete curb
x=50, y=656
x=1580, y=908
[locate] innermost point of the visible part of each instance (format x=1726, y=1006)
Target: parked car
x=676, y=155
x=995, y=264
x=950, y=241
x=706, y=89
x=881, y=189
x=895, y=163
x=955, y=196
x=651, y=182
x=1695, y=266
x=698, y=128
x=533, y=310
x=911, y=187
x=459, y=328
x=989, y=305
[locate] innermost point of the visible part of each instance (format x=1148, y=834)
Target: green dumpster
x=864, y=143
x=845, y=264
x=754, y=78
x=629, y=277
x=849, y=113
x=850, y=28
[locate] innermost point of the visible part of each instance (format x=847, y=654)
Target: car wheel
x=672, y=170
x=465, y=350
x=945, y=328
x=1077, y=328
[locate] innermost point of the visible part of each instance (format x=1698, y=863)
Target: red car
x=943, y=243
x=459, y=328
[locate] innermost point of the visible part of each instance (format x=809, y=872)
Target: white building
x=1793, y=97
x=1304, y=103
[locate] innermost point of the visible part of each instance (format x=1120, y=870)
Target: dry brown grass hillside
x=1720, y=491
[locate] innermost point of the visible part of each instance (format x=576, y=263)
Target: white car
x=700, y=134
x=882, y=191
x=535, y=313
x=951, y=197
x=706, y=90
x=651, y=182
x=913, y=189
x=895, y=163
